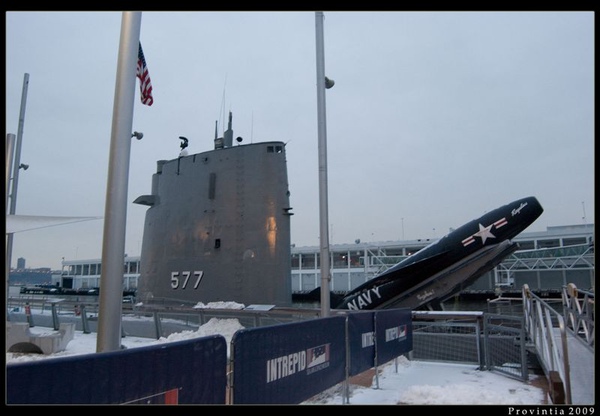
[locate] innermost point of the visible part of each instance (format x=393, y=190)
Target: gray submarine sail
x=218, y=226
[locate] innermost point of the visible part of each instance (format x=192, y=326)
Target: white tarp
x=18, y=223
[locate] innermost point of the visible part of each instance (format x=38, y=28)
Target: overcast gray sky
x=434, y=119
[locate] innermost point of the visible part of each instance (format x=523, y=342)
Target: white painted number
x=199, y=275
x=175, y=279
x=187, y=277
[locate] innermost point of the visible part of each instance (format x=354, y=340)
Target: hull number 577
x=180, y=280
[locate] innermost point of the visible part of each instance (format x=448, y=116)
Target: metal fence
x=505, y=345
x=456, y=336
x=447, y=341
x=579, y=312
x=491, y=342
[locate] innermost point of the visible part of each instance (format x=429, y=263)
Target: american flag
x=144, y=76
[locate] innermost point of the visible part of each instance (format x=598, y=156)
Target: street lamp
x=323, y=83
x=15, y=160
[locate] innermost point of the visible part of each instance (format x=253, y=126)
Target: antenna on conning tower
x=228, y=135
x=227, y=139
x=222, y=109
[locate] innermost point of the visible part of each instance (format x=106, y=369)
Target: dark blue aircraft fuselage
x=448, y=265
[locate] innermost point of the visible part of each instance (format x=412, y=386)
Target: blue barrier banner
x=361, y=342
x=183, y=372
x=393, y=333
x=288, y=363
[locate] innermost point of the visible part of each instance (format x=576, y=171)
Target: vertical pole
x=10, y=146
x=10, y=149
x=402, y=228
x=115, y=213
x=322, y=134
x=16, y=164
x=55, y=320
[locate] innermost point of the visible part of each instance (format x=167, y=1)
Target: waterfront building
x=546, y=261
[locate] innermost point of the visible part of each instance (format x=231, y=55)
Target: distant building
x=546, y=261
x=20, y=263
x=24, y=277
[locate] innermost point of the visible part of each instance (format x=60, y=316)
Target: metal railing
x=579, y=312
x=542, y=323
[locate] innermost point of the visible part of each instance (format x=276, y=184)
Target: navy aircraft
x=448, y=265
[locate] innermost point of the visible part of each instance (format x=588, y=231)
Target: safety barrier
x=579, y=311
x=505, y=345
x=284, y=364
x=183, y=372
x=363, y=350
x=290, y=363
x=543, y=324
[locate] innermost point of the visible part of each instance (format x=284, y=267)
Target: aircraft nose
x=534, y=206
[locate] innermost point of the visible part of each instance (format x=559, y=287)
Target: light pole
x=113, y=242
x=402, y=228
x=10, y=145
x=17, y=165
x=322, y=83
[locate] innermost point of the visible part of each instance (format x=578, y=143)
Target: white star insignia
x=484, y=233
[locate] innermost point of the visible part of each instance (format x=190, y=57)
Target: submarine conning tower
x=218, y=227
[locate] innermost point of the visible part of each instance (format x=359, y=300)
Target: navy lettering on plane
x=364, y=299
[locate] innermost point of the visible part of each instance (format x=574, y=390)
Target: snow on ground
x=433, y=383
x=219, y=305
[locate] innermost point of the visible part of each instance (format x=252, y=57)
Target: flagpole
x=16, y=166
x=10, y=146
x=322, y=134
x=115, y=213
